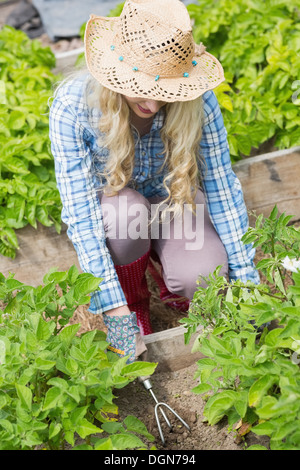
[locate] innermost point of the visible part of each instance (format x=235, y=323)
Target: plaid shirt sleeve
x=224, y=194
x=81, y=207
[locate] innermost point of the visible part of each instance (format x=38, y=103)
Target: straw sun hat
x=149, y=51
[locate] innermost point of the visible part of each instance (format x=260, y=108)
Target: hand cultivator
x=159, y=406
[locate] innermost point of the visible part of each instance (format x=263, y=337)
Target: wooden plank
x=40, y=249
x=271, y=179
x=65, y=61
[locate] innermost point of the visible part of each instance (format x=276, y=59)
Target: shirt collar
x=158, y=120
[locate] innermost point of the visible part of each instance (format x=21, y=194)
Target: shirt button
x=143, y=173
x=143, y=153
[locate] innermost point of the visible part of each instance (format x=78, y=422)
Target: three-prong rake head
x=159, y=407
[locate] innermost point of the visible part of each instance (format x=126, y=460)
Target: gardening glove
x=124, y=337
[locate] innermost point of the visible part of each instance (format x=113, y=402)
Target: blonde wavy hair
x=181, y=135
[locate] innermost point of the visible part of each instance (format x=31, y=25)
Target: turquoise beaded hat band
x=135, y=68
x=149, y=51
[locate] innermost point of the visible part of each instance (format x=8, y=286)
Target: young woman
x=143, y=166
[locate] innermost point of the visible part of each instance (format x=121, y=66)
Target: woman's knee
x=187, y=274
x=198, y=252
x=125, y=218
x=122, y=211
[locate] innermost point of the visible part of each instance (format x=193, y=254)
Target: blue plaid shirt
x=73, y=135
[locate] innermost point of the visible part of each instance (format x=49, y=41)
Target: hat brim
x=106, y=67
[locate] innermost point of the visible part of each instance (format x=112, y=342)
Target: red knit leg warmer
x=172, y=300
x=134, y=284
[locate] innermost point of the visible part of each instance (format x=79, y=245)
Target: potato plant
x=258, y=44
x=28, y=192
x=251, y=340
x=56, y=386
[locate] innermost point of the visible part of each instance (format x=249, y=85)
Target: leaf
x=15, y=165
x=201, y=388
x=267, y=408
x=112, y=427
x=264, y=429
x=206, y=363
x=57, y=277
x=44, y=364
x=2, y=92
x=69, y=437
x=30, y=213
x=260, y=388
x=78, y=414
x=85, y=428
x=244, y=144
x=7, y=426
x=126, y=441
x=219, y=345
x=285, y=429
x=25, y=395
x=51, y=398
x=54, y=429
x=13, y=284
x=42, y=215
x=107, y=395
x=16, y=120
x=71, y=366
x=225, y=102
x=272, y=339
x=134, y=424
x=241, y=403
x=274, y=213
x=104, y=444
x=11, y=237
x=87, y=339
x=68, y=333
x=41, y=172
x=218, y=405
x=86, y=285
x=139, y=368
x=3, y=400
x=73, y=274
x=278, y=281
x=44, y=329
x=58, y=382
x=77, y=354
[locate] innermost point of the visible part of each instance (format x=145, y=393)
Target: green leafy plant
x=28, y=192
x=56, y=386
x=258, y=44
x=250, y=339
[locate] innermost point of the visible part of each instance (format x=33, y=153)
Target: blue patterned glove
x=123, y=336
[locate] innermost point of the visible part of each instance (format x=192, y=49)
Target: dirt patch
x=174, y=388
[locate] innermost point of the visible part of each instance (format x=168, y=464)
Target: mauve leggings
x=183, y=259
